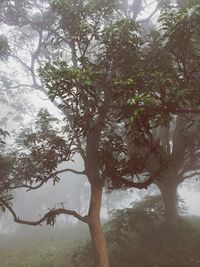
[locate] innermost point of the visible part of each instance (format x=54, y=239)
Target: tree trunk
x=98, y=238
x=93, y=173
x=168, y=189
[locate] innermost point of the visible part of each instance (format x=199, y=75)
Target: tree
x=90, y=95
x=172, y=85
x=182, y=32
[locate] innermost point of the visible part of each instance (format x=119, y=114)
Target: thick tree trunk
x=169, y=194
x=98, y=238
x=95, y=179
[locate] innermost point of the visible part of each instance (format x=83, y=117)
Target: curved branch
x=29, y=187
x=49, y=217
x=121, y=182
x=192, y=175
x=70, y=170
x=150, y=16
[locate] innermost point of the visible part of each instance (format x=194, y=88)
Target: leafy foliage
x=182, y=36
x=69, y=246
x=40, y=152
x=137, y=235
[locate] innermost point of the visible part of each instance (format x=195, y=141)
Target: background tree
x=172, y=70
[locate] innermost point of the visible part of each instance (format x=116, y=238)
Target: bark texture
x=92, y=171
x=168, y=190
x=98, y=238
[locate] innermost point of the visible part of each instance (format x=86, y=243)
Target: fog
x=37, y=33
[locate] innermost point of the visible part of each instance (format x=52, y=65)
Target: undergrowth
x=137, y=237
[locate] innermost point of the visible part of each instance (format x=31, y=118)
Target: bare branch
x=48, y=217
x=29, y=187
x=16, y=87
x=192, y=175
x=124, y=183
x=121, y=182
x=70, y=170
x=151, y=15
x=21, y=62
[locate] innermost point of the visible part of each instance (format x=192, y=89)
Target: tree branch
x=49, y=217
x=16, y=87
x=150, y=16
x=69, y=170
x=192, y=175
x=29, y=187
x=121, y=182
x=124, y=183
